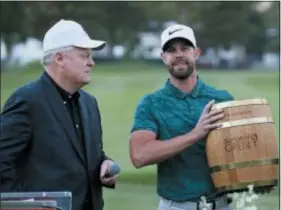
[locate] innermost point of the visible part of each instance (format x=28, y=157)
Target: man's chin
x=86, y=81
x=181, y=75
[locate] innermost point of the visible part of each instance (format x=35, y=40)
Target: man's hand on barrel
x=207, y=120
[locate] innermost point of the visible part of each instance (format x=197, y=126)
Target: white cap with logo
x=177, y=31
x=69, y=33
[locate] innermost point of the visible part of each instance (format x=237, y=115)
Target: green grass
x=119, y=87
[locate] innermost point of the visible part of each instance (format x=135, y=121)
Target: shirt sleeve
x=228, y=96
x=144, y=118
x=224, y=96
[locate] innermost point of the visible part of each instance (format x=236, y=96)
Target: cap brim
x=92, y=44
x=177, y=37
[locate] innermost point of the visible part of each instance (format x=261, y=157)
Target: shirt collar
x=172, y=90
x=64, y=94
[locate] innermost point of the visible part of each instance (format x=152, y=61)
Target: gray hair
x=49, y=55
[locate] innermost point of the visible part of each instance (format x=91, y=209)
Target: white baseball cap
x=177, y=31
x=69, y=33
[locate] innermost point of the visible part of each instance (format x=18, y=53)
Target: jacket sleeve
x=104, y=156
x=15, y=134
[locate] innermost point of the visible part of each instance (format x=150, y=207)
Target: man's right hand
x=207, y=121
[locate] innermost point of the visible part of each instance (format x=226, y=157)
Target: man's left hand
x=105, y=166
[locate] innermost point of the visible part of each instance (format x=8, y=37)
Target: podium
x=36, y=201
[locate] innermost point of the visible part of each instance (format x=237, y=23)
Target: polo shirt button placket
x=188, y=103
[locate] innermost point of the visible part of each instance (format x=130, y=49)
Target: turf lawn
x=119, y=87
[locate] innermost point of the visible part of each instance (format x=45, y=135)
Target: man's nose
x=91, y=62
x=179, y=53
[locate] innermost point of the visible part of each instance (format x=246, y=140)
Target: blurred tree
x=119, y=21
x=115, y=22
x=13, y=24
x=215, y=23
x=220, y=23
x=257, y=34
x=225, y=23
x=34, y=18
x=160, y=11
x=272, y=22
x=20, y=20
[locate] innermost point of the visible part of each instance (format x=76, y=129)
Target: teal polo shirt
x=169, y=113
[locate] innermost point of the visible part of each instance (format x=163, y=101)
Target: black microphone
x=113, y=170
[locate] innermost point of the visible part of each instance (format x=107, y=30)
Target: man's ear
x=197, y=53
x=163, y=58
x=58, y=57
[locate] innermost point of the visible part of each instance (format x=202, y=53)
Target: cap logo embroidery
x=171, y=32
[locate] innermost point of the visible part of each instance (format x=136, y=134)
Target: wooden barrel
x=244, y=150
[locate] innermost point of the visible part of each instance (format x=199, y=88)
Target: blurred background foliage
x=215, y=23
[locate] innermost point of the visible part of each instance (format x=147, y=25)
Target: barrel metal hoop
x=227, y=104
x=244, y=164
x=255, y=120
x=242, y=185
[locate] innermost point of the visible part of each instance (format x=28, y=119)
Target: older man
x=171, y=125
x=51, y=133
